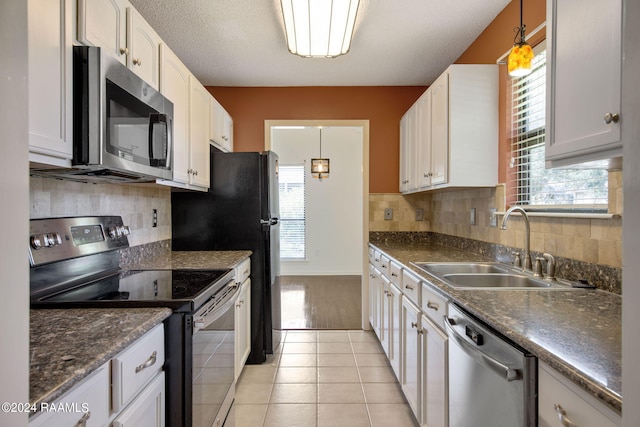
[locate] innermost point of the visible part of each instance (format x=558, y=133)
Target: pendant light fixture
x=319, y=28
x=521, y=55
x=320, y=166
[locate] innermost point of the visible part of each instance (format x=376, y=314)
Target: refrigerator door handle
x=270, y=221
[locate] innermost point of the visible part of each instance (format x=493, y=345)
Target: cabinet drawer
x=395, y=273
x=411, y=286
x=582, y=409
x=91, y=394
x=376, y=258
x=136, y=366
x=243, y=271
x=384, y=265
x=371, y=254
x=433, y=305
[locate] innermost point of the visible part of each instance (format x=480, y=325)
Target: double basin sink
x=487, y=275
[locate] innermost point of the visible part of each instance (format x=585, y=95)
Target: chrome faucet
x=526, y=255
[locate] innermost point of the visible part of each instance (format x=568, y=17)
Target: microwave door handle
x=157, y=119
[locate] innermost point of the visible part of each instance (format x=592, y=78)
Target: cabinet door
x=434, y=378
x=423, y=166
x=49, y=80
x=228, y=131
x=89, y=400
x=395, y=329
x=144, y=48
x=103, y=23
x=385, y=316
x=221, y=126
x=174, y=84
x=408, y=135
x=440, y=130
x=148, y=409
x=374, y=299
x=199, y=118
x=243, y=327
x=411, y=346
x=583, y=79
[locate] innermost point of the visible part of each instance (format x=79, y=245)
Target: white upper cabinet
x=453, y=138
x=584, y=61
x=104, y=23
x=50, y=81
x=144, y=48
x=221, y=127
x=199, y=122
x=117, y=28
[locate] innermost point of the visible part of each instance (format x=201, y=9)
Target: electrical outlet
x=419, y=214
x=493, y=218
x=472, y=219
x=155, y=218
x=388, y=214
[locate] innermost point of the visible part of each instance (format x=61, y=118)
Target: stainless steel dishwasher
x=492, y=383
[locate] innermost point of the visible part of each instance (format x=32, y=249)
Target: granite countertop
x=166, y=260
x=66, y=345
x=578, y=332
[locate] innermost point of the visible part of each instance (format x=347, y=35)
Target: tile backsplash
x=134, y=202
x=597, y=241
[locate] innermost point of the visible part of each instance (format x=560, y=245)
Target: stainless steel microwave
x=122, y=126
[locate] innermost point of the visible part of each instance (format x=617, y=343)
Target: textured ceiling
x=242, y=42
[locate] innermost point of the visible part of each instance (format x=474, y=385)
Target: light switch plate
x=388, y=214
x=493, y=218
x=419, y=214
x=472, y=219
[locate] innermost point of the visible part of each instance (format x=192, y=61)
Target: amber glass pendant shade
x=519, y=62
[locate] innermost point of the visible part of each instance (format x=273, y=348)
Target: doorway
x=323, y=272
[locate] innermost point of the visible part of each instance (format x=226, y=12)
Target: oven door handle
x=212, y=310
x=481, y=357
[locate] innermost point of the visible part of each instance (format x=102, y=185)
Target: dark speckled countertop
x=66, y=345
x=577, y=332
x=166, y=259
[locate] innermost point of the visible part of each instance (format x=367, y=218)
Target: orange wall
x=382, y=106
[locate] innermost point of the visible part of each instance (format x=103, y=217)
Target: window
x=292, y=207
x=584, y=188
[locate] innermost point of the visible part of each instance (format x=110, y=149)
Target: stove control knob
x=52, y=239
x=113, y=232
x=126, y=230
x=37, y=241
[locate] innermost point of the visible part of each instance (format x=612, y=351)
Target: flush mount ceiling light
x=319, y=28
x=521, y=55
x=320, y=166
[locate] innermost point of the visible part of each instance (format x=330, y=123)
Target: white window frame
x=284, y=219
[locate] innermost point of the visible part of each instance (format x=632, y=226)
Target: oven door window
x=135, y=131
x=213, y=367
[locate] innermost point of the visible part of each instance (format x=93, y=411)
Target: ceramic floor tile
x=383, y=393
x=343, y=415
x=377, y=374
x=391, y=414
x=294, y=393
x=331, y=336
x=246, y=415
x=301, y=336
x=366, y=347
x=329, y=359
x=258, y=374
x=371, y=359
x=363, y=336
x=299, y=347
x=291, y=415
x=338, y=374
x=253, y=393
x=296, y=375
x=304, y=360
x=340, y=393
x=335, y=347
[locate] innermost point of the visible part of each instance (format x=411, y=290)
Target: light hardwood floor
x=321, y=302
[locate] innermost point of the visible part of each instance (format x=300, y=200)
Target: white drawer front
x=384, y=265
x=434, y=306
x=376, y=259
x=395, y=273
x=136, y=366
x=91, y=394
x=243, y=271
x=411, y=286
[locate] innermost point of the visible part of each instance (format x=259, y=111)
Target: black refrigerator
x=239, y=212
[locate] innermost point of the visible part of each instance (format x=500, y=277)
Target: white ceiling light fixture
x=319, y=28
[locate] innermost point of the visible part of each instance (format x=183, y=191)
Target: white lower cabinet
x=385, y=315
x=395, y=335
x=148, y=410
x=434, y=375
x=562, y=404
x=243, y=327
x=411, y=357
x=374, y=299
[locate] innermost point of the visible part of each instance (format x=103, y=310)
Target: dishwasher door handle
x=478, y=355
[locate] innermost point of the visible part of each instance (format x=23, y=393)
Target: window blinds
x=535, y=186
x=292, y=212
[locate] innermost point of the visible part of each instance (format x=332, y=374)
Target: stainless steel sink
x=486, y=275
x=496, y=281
x=441, y=268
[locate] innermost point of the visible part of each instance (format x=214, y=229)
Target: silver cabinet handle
x=82, y=422
x=432, y=305
x=611, y=117
x=562, y=416
x=149, y=362
x=394, y=275
x=124, y=51
x=408, y=287
x=414, y=324
x=137, y=61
